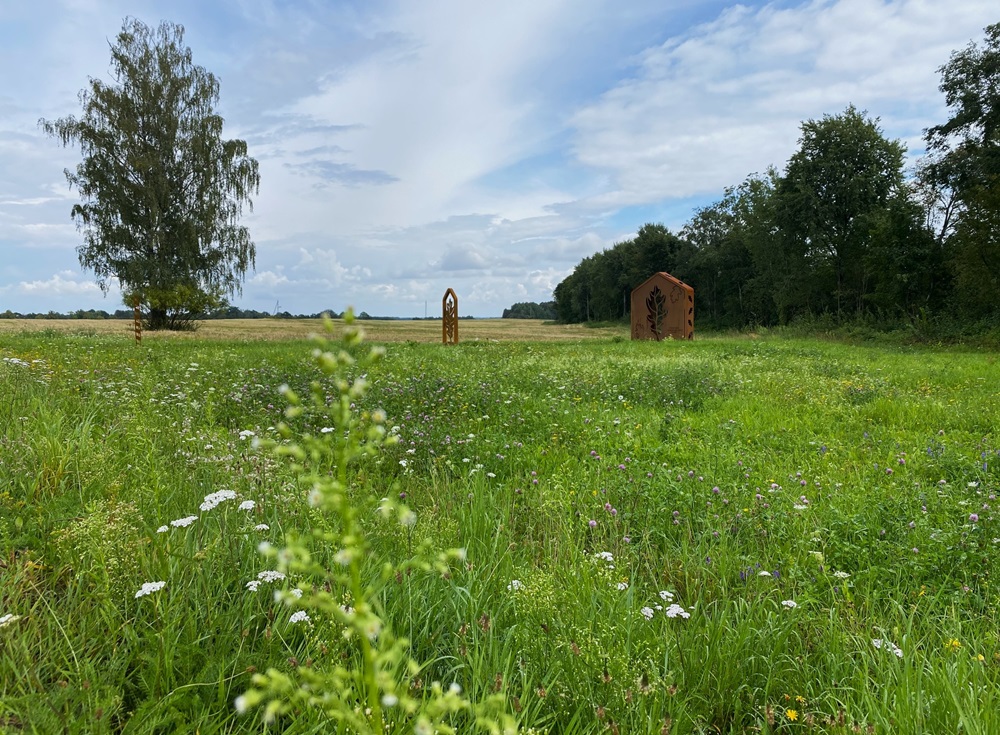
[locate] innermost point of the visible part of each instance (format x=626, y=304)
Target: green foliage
x=599, y=288
x=162, y=192
x=103, y=547
x=531, y=310
x=733, y=475
x=963, y=172
x=734, y=262
x=843, y=177
x=375, y=693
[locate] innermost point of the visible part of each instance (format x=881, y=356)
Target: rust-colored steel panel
x=662, y=306
x=449, y=318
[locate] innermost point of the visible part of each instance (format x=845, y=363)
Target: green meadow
x=731, y=535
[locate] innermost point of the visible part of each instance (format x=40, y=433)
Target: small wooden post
x=138, y=322
x=449, y=318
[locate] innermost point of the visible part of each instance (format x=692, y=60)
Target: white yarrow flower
x=889, y=646
x=149, y=588
x=622, y=586
x=262, y=527
x=163, y=529
x=666, y=595
x=515, y=585
x=269, y=575
x=214, y=499
x=676, y=611
x=299, y=617
x=789, y=604
x=183, y=522
x=647, y=612
x=247, y=505
x=841, y=575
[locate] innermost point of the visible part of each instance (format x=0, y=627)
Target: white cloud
x=725, y=99
x=268, y=279
x=62, y=283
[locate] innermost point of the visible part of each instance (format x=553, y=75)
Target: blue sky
x=410, y=146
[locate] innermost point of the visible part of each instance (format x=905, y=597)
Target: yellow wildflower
x=792, y=715
x=952, y=645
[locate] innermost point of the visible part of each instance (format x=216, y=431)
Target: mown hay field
x=378, y=330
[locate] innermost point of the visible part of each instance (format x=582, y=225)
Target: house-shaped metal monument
x=662, y=306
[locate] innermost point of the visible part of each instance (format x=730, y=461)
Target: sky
x=409, y=146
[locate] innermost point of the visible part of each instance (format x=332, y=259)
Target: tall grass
x=800, y=500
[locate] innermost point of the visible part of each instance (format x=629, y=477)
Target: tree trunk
x=157, y=319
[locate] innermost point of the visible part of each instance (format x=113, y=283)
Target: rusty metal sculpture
x=449, y=318
x=137, y=322
x=663, y=306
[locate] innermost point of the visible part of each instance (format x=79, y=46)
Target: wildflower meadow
x=730, y=535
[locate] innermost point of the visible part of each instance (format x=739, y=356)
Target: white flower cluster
x=299, y=617
x=214, y=499
x=515, y=585
x=149, y=588
x=790, y=604
x=247, y=505
x=15, y=361
x=888, y=645
x=267, y=575
x=183, y=522
x=676, y=611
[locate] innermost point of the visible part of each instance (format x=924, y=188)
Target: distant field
x=529, y=330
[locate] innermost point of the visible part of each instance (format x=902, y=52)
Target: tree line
x=531, y=310
x=843, y=231
x=226, y=312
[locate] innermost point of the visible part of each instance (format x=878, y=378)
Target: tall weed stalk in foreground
x=374, y=687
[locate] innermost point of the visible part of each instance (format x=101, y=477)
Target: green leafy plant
x=374, y=689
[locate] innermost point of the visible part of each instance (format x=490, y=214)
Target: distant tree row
x=231, y=312
x=531, y=310
x=841, y=231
